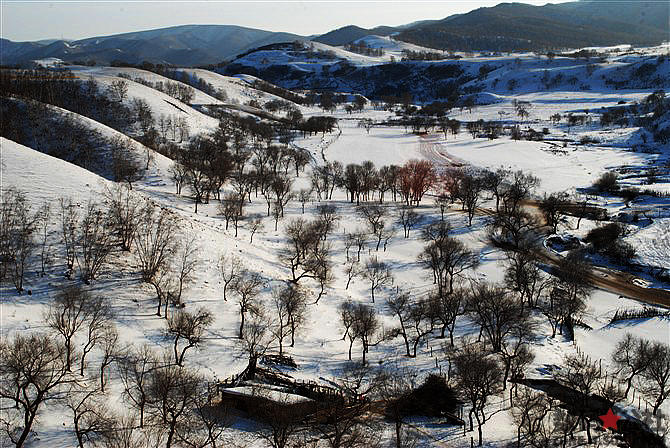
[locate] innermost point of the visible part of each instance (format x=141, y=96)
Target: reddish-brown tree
x=416, y=177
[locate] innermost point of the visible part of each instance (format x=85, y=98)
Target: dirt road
x=610, y=280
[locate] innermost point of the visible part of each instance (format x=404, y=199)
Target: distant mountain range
x=179, y=45
x=505, y=27
x=517, y=26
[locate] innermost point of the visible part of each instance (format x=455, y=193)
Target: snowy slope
x=160, y=103
x=392, y=47
x=45, y=176
x=238, y=91
x=200, y=97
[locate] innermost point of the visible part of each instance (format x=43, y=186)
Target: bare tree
x=374, y=215
x=553, y=207
x=516, y=352
x=125, y=166
x=187, y=263
x=496, y=182
x=442, y=201
x=567, y=299
x=256, y=338
x=496, y=311
x=255, y=223
x=416, y=319
x=165, y=286
x=179, y=174
x=19, y=226
x=353, y=269
x=524, y=276
x=99, y=315
x=581, y=376
x=360, y=239
x=135, y=368
x=124, y=214
x=304, y=196
x=43, y=223
x=9, y=200
x=304, y=252
x=447, y=308
x=188, y=327
x=94, y=242
x=533, y=416
x=632, y=357
x=33, y=371
x=90, y=415
x=378, y=274
x=119, y=89
x=470, y=188
x=155, y=240
x=67, y=315
x=230, y=267
x=512, y=228
x=422, y=322
x=446, y=256
x=366, y=327
x=327, y=219
x=247, y=287
x=290, y=306
x=478, y=376
x=584, y=204
x=109, y=346
x=173, y=393
x=276, y=213
x=520, y=187
x=232, y=209
x=408, y=218
x=656, y=378
x=280, y=325
x=281, y=187
x=323, y=272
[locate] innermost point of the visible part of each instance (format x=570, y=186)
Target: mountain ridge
x=505, y=27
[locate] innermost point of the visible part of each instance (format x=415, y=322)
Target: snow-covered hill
x=159, y=102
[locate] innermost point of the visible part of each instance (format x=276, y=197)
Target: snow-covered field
x=320, y=351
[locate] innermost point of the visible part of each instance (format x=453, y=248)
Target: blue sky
x=34, y=20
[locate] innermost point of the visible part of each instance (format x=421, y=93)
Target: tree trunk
x=28, y=423
x=168, y=444
x=479, y=428
x=398, y=434
x=241, y=324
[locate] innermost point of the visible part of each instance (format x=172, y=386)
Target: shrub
x=603, y=236
x=588, y=139
x=629, y=194
x=620, y=252
x=606, y=240
x=607, y=182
